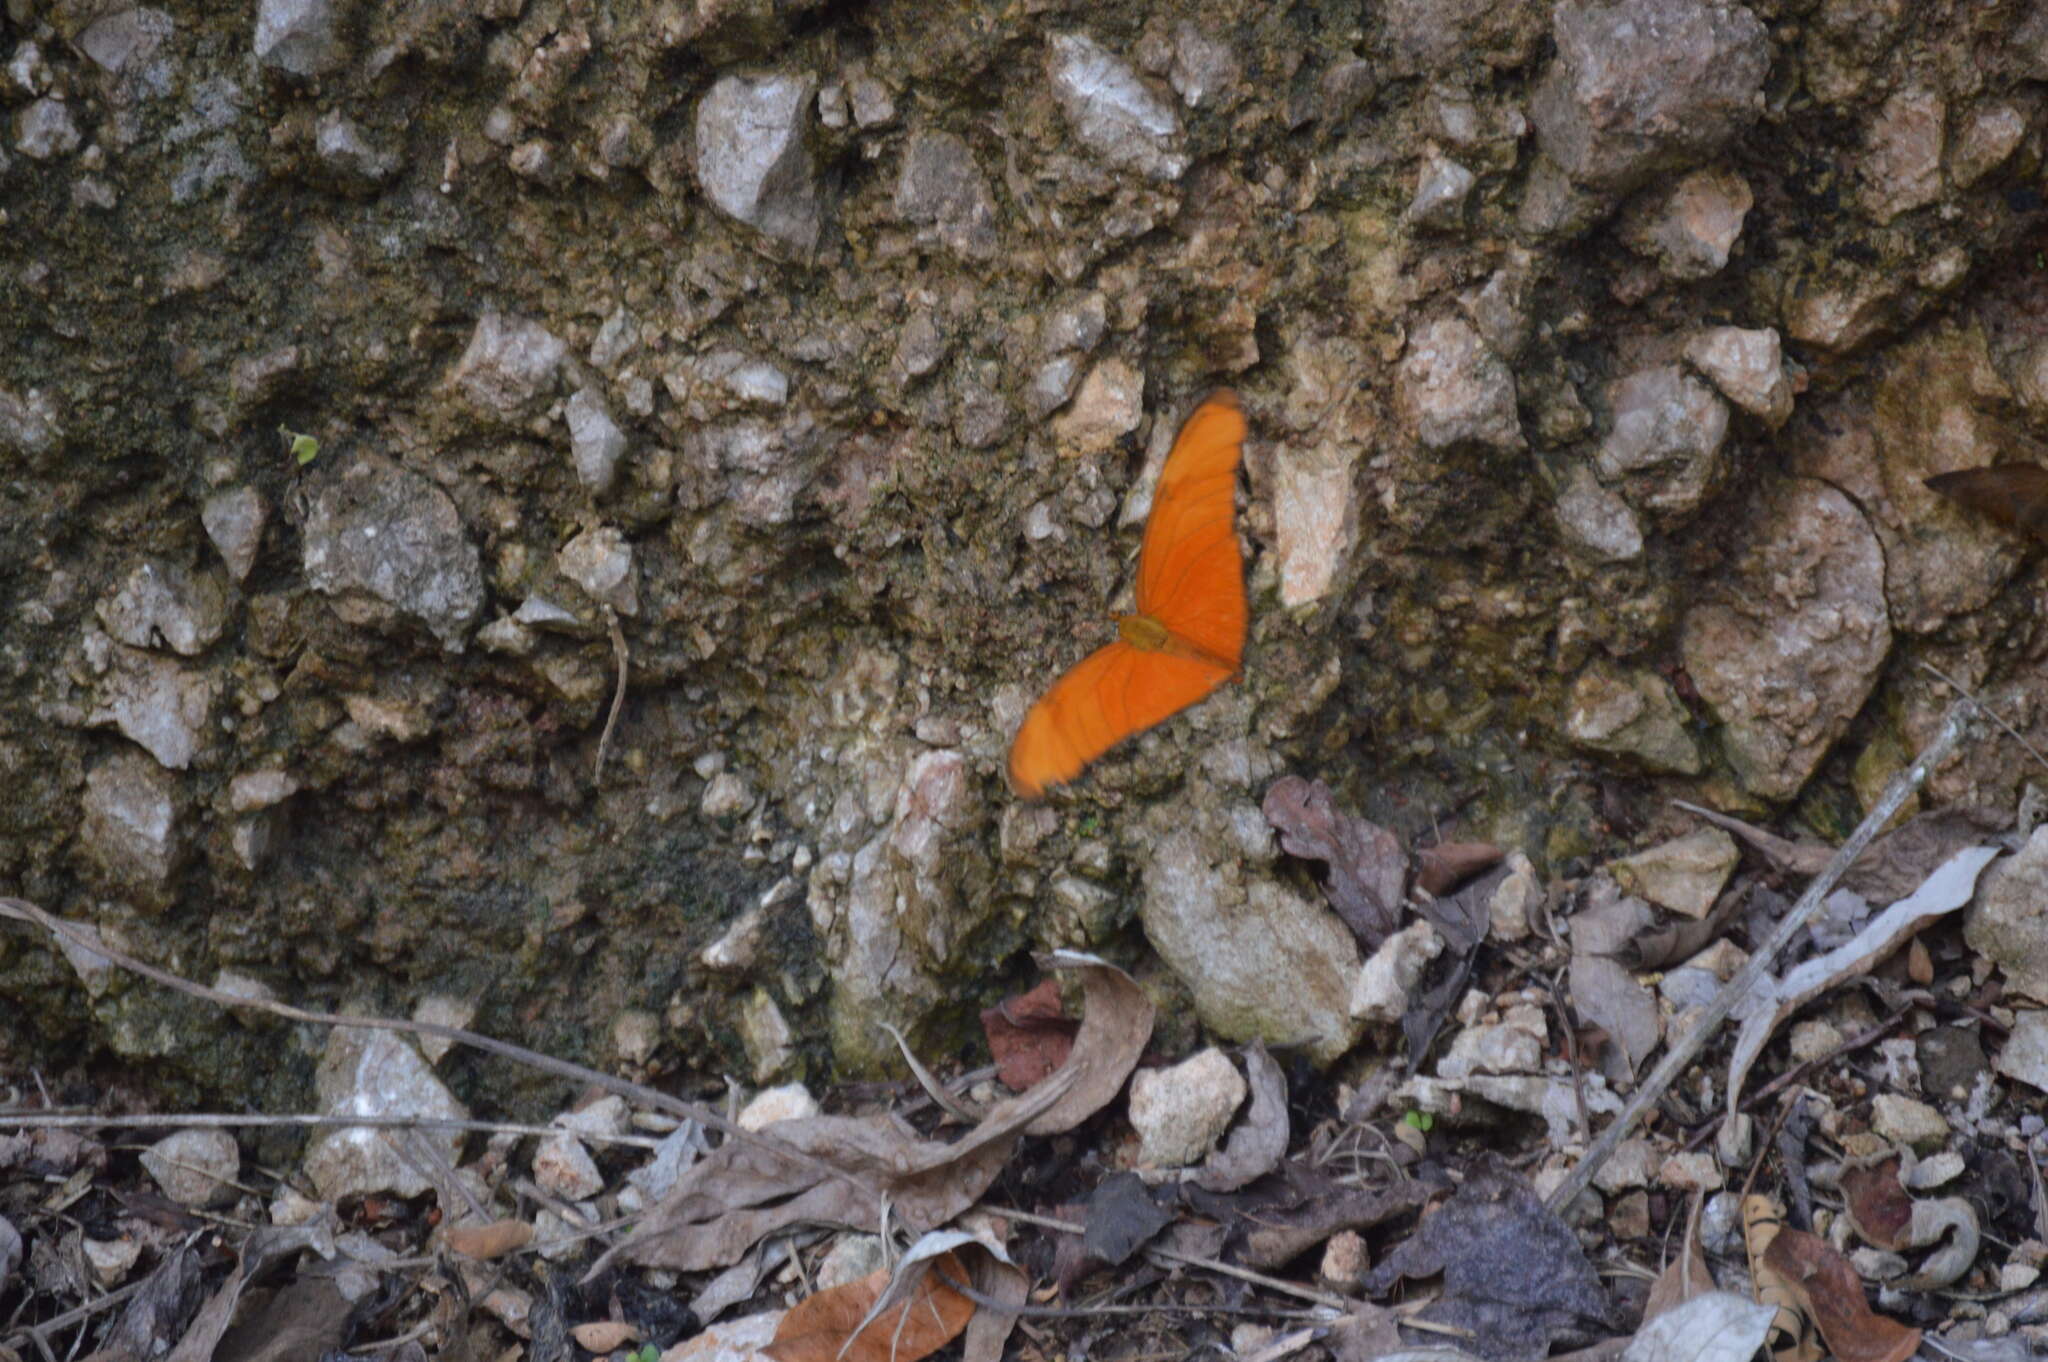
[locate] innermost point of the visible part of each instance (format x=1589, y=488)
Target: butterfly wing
x=2013, y=494
x=1190, y=573
x=1110, y=694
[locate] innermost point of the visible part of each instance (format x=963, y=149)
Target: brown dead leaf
x=1280, y=1217
x=1891, y=867
x=1368, y=871
x=1878, y=1206
x=1791, y=1337
x=1445, y=866
x=748, y=1189
x=1685, y=1276
x=494, y=1240
x=1832, y=1294
x=990, y=1328
x=1029, y=1036
x=822, y=1328
x=1605, y=991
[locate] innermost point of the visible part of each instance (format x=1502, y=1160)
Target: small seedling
x=1421, y=1120
x=646, y=1352
x=304, y=447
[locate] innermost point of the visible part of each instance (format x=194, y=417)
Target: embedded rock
x=1902, y=162
x=376, y=1073
x=299, y=37
x=595, y=441
x=1747, y=367
x=1689, y=229
x=29, y=424
x=1112, y=110
x=942, y=190
x=1597, y=519
x=1179, y=1113
x=601, y=562
x=1453, y=390
x=234, y=521
x=1441, y=189
x=383, y=541
x=510, y=361
x=1315, y=516
x=753, y=160
x=1109, y=405
x=45, y=130
x=1788, y=653
x=130, y=825
x=1665, y=444
x=1429, y=36
x=1644, y=86
x=194, y=1166
x=156, y=703
x=162, y=604
x=1632, y=715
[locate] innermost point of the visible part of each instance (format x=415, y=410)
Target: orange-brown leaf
x=1832, y=1295
x=817, y=1328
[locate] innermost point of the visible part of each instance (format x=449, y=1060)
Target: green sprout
x=304, y=447
x=1421, y=1120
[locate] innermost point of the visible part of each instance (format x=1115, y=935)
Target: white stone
x=790, y=1102
x=1180, y=1112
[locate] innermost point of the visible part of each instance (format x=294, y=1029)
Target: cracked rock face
x=1787, y=654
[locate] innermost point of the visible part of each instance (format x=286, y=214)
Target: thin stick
x=36, y=1332
x=611, y=720
x=1682, y=1054
x=24, y=911
x=211, y=1120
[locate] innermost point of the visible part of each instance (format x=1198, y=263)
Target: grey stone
x=1633, y=715
x=381, y=539
x=26, y=73
x=1386, y=982
x=1684, y=874
x=1787, y=655
x=376, y=1073
x=1689, y=228
x=256, y=379
x=1315, y=516
x=1438, y=35
x=194, y=1167
x=1901, y=163
x=618, y=338
x=1452, y=390
x=1440, y=192
x=508, y=363
x=2007, y=923
x=1904, y=1120
x=746, y=379
x=873, y=107
x=124, y=41
x=563, y=1168
x=130, y=824
x=1665, y=444
x=29, y=423
x=601, y=562
x=1952, y=1058
x=595, y=441
x=1748, y=368
x=299, y=37
x=941, y=189
x=1112, y=110
x=1597, y=519
x=753, y=160
x=157, y=703
x=45, y=130
x=234, y=521
x=1647, y=85
x=341, y=146
x=1076, y=324
x=160, y=604
x=1202, y=66
x=1180, y=1112
x=1109, y=405
x=1052, y=383
x=251, y=791
x=1289, y=981
x=1983, y=140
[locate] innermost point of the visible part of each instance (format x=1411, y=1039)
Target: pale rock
x=1903, y=1120
x=340, y=144
x=506, y=636
x=739, y=945
x=1841, y=317
x=250, y=791
x=1787, y=653
x=194, y=1167
x=1202, y=66
x=636, y=1036
x=383, y=541
x=2007, y=923
x=1685, y=874
x=1109, y=405
x=1290, y=982
x=1514, y=899
x=45, y=130
x=674, y=1156
x=1696, y=1172
x=242, y=986
x=1052, y=383
x=130, y=824
x=1747, y=367
x=1901, y=164
x=1556, y=1100
x=376, y=1073
x=2030, y=379
x=873, y=106
x=1690, y=228
x=1664, y=446
x=1452, y=390
x=1441, y=188
x=2025, y=1056
x=941, y=190
x=509, y=362
x=752, y=157
x=615, y=341
x=1814, y=1039
x=111, y=1260
x=299, y=37
x=1982, y=141
x=790, y=1102
x=601, y=562
x=596, y=444
x=851, y=1257
x=1076, y=324
x=1633, y=1163
x=624, y=142
x=439, y=1009
x=557, y=1236
x=156, y=703
x=1315, y=516
x=2017, y=1276
x=1934, y=1171
x=1385, y=982
x=30, y=424
x=765, y=1035
x=234, y=521
x=746, y=379
x=1112, y=110
x=1723, y=960
x=726, y=795
x=563, y=1168
x=1634, y=715
x=160, y=604
x=1596, y=519
x=1179, y=1112
x=1345, y=1262
x=1512, y=1045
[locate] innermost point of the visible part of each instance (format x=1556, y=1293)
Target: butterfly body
x=1186, y=637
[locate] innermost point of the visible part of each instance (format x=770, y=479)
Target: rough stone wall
x=820, y=356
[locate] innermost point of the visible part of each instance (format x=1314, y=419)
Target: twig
x=611, y=720
x=1682, y=1054
x=212, y=1120
x=36, y=1332
x=1960, y=689
x=24, y=911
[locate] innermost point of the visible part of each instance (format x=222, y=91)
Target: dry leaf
x=1259, y=1142
x=494, y=1240
x=604, y=1335
x=1685, y=1276
x=1947, y=889
x=990, y=1328
x=1790, y=1336
x=1832, y=1294
x=1891, y=867
x=1878, y=1206
x=1029, y=1036
x=1715, y=1327
x=2014, y=495
x=1445, y=866
x=1368, y=872
x=839, y=1324
x=1605, y=990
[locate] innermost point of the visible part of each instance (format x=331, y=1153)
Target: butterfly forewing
x=1104, y=698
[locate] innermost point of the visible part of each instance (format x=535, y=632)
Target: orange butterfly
x=1188, y=635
